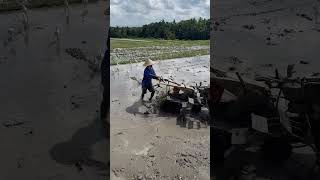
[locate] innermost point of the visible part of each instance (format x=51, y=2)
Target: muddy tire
x=171, y=107
x=196, y=109
x=190, y=124
x=181, y=120
x=184, y=122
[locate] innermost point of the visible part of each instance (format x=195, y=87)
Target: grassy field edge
x=202, y=52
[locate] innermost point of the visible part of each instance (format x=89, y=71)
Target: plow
x=276, y=114
x=189, y=102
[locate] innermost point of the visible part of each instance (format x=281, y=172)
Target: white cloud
x=169, y=4
x=139, y=12
x=116, y=2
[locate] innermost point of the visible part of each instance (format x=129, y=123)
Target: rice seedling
x=66, y=11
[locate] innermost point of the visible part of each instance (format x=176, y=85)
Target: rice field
x=124, y=51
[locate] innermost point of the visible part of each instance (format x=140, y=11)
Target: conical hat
x=149, y=62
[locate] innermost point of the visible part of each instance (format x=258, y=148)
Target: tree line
x=192, y=29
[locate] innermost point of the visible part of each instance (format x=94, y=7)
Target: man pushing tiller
x=148, y=75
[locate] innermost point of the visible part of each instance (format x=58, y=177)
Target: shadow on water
x=78, y=151
x=184, y=119
x=135, y=108
x=144, y=109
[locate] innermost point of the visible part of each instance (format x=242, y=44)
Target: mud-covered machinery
x=189, y=102
x=298, y=105
x=278, y=114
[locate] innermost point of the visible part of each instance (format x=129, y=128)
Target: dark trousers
x=144, y=91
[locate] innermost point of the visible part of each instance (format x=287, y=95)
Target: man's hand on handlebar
x=160, y=78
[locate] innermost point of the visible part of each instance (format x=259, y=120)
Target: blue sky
x=140, y=12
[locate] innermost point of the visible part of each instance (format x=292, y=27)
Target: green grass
x=165, y=56
x=183, y=54
x=144, y=48
x=123, y=43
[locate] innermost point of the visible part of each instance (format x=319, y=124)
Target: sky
x=139, y=12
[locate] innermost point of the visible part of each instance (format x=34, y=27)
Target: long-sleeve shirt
x=148, y=75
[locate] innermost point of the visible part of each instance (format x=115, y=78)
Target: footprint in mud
x=143, y=151
x=76, y=101
x=77, y=151
x=10, y=124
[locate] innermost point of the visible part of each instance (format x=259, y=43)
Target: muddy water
x=152, y=145
x=51, y=96
x=279, y=36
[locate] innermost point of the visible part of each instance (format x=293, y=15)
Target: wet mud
x=147, y=143
x=49, y=106
x=265, y=36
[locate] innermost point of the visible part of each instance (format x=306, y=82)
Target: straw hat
x=149, y=62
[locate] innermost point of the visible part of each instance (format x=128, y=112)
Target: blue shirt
x=148, y=75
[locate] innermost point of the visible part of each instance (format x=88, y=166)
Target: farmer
x=148, y=75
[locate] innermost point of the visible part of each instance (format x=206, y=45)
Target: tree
x=192, y=29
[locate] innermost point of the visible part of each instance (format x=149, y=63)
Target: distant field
x=135, y=50
x=134, y=43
